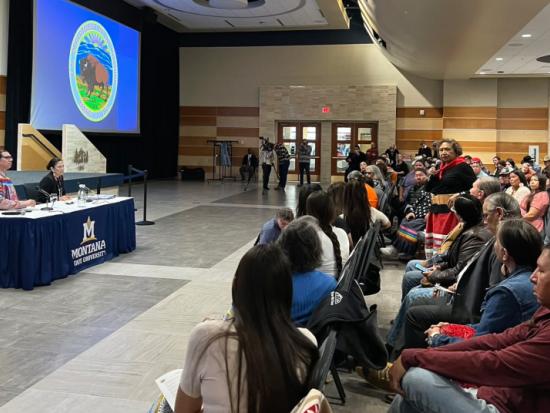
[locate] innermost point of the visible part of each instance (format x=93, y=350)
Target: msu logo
x=88, y=231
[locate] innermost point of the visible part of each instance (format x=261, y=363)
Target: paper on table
x=168, y=384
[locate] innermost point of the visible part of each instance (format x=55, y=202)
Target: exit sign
x=325, y=109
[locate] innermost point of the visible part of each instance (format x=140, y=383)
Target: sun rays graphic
x=97, y=40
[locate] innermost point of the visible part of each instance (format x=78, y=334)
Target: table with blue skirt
x=42, y=246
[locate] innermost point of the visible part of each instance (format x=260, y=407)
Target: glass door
x=291, y=134
x=345, y=135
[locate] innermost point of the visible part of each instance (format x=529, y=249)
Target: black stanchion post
x=130, y=180
x=144, y=221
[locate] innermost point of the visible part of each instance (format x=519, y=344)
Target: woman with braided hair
x=334, y=240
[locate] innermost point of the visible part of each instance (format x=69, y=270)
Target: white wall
x=4, y=19
x=231, y=76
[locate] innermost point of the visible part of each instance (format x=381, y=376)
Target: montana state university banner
x=38, y=251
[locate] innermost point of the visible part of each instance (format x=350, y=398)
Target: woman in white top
x=334, y=240
x=518, y=186
x=258, y=361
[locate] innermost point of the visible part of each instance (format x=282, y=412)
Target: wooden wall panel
x=470, y=112
x=456, y=123
x=200, y=124
x=3, y=84
x=482, y=131
x=414, y=112
x=3, y=120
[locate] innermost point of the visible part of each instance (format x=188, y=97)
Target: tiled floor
x=96, y=341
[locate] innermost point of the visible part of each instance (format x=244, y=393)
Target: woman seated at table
x=53, y=183
x=257, y=361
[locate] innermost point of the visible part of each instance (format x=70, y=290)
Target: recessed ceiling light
x=482, y=73
x=499, y=59
x=526, y=35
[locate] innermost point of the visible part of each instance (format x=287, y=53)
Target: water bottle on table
x=82, y=194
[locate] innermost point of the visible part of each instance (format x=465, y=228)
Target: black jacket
x=253, y=160
x=357, y=325
x=483, y=274
x=457, y=179
x=460, y=252
x=51, y=186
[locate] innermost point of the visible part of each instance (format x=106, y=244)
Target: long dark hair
x=305, y=191
x=521, y=176
x=469, y=208
x=301, y=244
x=542, y=187
x=274, y=350
x=357, y=212
x=319, y=205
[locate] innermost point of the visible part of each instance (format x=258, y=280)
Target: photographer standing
x=304, y=151
x=267, y=159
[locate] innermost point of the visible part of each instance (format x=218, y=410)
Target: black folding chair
x=359, y=260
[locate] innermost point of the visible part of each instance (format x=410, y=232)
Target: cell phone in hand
x=421, y=268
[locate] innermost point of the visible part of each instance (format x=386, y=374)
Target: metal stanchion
x=144, y=221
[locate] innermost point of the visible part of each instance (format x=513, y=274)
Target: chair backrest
x=362, y=256
x=31, y=192
x=322, y=367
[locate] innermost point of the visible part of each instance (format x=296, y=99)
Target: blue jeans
x=416, y=296
x=411, y=278
x=426, y=391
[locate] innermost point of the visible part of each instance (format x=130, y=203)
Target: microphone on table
x=47, y=195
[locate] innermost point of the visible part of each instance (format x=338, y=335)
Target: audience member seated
x=305, y=191
x=510, y=163
x=483, y=187
x=227, y=360
x=354, y=159
x=390, y=176
x=248, y=165
x=334, y=241
x=518, y=186
x=511, y=302
x=336, y=192
x=300, y=242
x=8, y=196
x=374, y=173
x=444, y=268
x=400, y=168
x=506, y=372
x=453, y=176
x=535, y=205
x=358, y=214
x=374, y=193
x=409, y=181
x=272, y=228
x=477, y=167
x=527, y=170
x=416, y=208
x=53, y=183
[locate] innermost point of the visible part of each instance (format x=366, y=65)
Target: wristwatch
x=429, y=339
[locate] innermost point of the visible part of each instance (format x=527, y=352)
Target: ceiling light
x=526, y=35
x=499, y=59
x=482, y=73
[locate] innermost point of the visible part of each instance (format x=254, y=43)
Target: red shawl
x=449, y=165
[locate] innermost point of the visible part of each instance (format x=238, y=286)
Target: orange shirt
x=371, y=196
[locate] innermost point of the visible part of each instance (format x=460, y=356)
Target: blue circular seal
x=93, y=71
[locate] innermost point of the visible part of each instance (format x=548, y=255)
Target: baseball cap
x=476, y=160
x=505, y=171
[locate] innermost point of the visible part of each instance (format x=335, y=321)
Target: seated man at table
x=8, y=196
x=506, y=372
